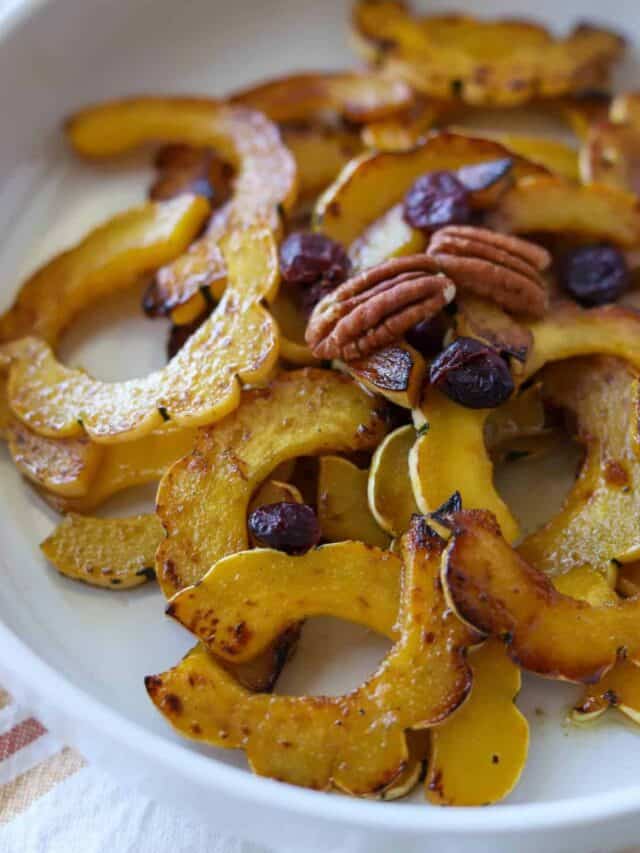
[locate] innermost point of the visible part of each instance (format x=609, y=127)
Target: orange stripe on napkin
x=17, y=796
x=20, y=736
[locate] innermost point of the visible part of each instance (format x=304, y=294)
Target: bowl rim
x=408, y=818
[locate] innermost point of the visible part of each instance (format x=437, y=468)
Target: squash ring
x=109, y=259
x=239, y=342
x=303, y=412
x=354, y=742
x=495, y=590
x=265, y=181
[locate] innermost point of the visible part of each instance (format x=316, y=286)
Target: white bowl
x=78, y=655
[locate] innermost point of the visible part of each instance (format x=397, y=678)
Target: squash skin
x=78, y=475
x=377, y=180
x=389, y=488
x=478, y=755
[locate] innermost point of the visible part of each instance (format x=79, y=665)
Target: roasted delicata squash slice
x=356, y=96
x=554, y=204
x=376, y=181
x=390, y=492
x=134, y=463
x=79, y=475
x=599, y=520
x=202, y=500
x=478, y=754
x=296, y=739
x=273, y=492
x=569, y=331
x=494, y=589
x=110, y=259
x=583, y=583
x=609, y=154
x=112, y=553
x=450, y=455
x=265, y=179
x=620, y=688
x=343, y=507
x=201, y=384
x=395, y=372
x=404, y=133
x=325, y=580
x=494, y=62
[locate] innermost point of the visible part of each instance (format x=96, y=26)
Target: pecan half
x=500, y=267
x=376, y=307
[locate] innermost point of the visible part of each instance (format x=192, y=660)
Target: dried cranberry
x=427, y=336
x=311, y=295
x=435, y=200
x=306, y=258
x=472, y=374
x=595, y=275
x=289, y=527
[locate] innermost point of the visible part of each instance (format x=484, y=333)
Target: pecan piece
x=376, y=307
x=500, y=267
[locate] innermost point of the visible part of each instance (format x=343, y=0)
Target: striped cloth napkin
x=32, y=762
x=53, y=801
